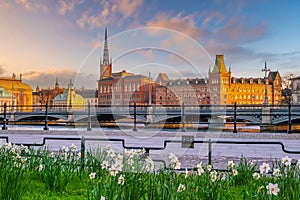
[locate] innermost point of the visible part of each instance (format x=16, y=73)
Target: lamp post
x=266, y=91
x=12, y=98
x=266, y=113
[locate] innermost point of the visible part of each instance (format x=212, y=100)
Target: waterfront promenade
x=189, y=157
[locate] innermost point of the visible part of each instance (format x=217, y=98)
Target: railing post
x=89, y=128
x=46, y=128
x=234, y=118
x=290, y=118
x=134, y=117
x=209, y=151
x=183, y=118
x=4, y=118
x=82, y=151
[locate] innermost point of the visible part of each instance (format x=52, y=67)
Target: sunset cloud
x=4, y=4
x=96, y=21
x=182, y=23
x=127, y=7
x=2, y=70
x=47, y=78
x=236, y=31
x=33, y=5
x=147, y=53
x=67, y=5
x=110, y=13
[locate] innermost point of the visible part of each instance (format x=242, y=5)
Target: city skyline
x=48, y=39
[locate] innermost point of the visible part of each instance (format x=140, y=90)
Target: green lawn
x=42, y=174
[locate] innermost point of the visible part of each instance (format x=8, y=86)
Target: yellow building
x=21, y=91
x=225, y=89
x=69, y=100
x=8, y=98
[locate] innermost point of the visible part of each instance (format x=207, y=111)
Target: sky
x=63, y=39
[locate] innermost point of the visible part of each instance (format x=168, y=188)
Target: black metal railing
x=209, y=143
x=183, y=115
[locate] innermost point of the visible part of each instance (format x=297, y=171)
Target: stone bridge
x=155, y=114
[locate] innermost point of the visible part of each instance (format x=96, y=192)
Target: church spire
x=56, y=82
x=105, y=51
x=105, y=62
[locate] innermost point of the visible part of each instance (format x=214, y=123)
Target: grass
x=43, y=174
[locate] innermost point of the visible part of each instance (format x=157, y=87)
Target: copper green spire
x=220, y=64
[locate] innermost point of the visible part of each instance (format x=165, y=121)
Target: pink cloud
x=181, y=23
x=147, y=53
x=67, y=6
x=109, y=13
x=128, y=7
x=33, y=5
x=4, y=4
x=236, y=31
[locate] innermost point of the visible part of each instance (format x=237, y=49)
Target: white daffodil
x=256, y=175
x=187, y=173
x=209, y=168
x=111, y=153
x=65, y=149
x=200, y=169
x=41, y=167
x=104, y=164
x=181, y=188
x=276, y=172
x=130, y=161
x=113, y=171
x=119, y=158
x=223, y=176
x=121, y=180
x=230, y=164
x=92, y=175
x=73, y=147
x=264, y=168
x=286, y=161
x=234, y=172
x=213, y=176
x=177, y=165
x=149, y=164
x=172, y=156
x=273, y=189
x=108, y=147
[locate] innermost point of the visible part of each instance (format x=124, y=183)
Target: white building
x=69, y=100
x=8, y=98
x=295, y=86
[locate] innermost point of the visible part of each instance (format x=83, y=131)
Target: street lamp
x=266, y=91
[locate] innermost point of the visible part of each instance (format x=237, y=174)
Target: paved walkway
x=153, y=133
x=221, y=153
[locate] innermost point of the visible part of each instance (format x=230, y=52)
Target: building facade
x=90, y=96
x=295, y=89
x=8, y=98
x=220, y=88
x=225, y=89
x=69, y=100
x=21, y=91
x=42, y=96
x=178, y=91
x=121, y=88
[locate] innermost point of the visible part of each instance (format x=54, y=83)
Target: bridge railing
x=184, y=116
x=184, y=144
